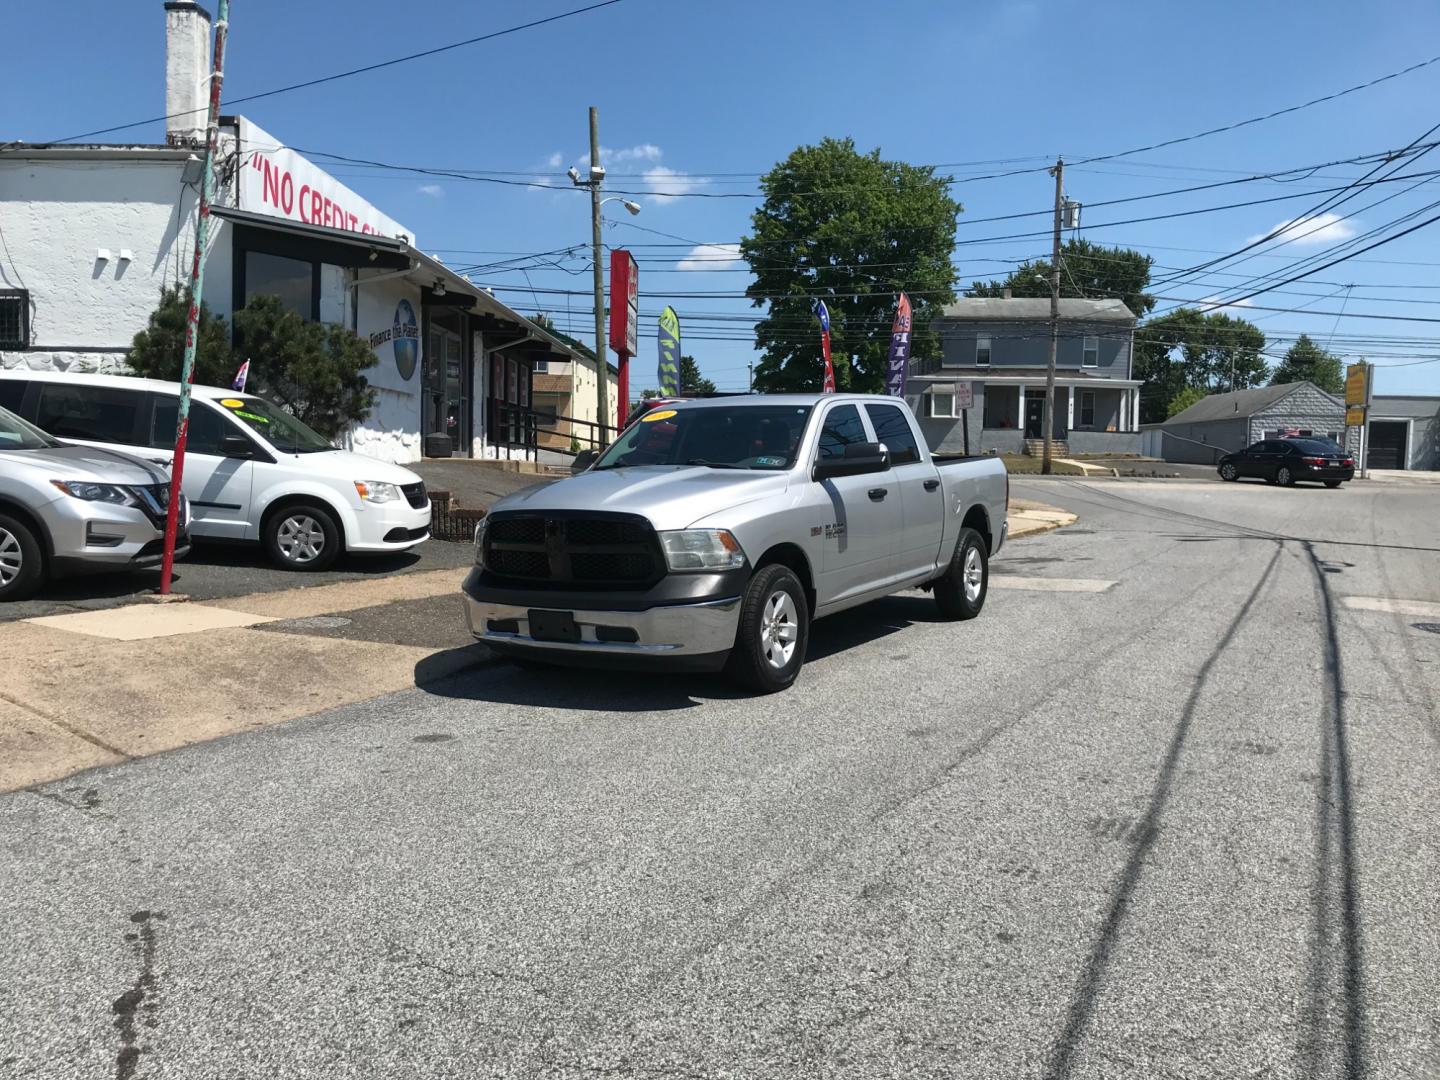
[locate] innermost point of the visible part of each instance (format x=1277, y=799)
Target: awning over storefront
x=321, y=244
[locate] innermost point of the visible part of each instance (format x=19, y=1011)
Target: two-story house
x=1001, y=346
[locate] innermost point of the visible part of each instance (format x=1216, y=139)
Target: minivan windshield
x=16, y=434
x=719, y=437
x=275, y=425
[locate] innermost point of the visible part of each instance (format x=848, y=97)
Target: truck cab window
x=892, y=429
x=842, y=427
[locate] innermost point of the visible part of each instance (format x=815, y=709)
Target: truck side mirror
x=858, y=458
x=583, y=460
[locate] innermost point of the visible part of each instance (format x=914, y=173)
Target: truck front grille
x=585, y=550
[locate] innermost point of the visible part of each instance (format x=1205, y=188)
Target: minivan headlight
x=376, y=491
x=92, y=492
x=702, y=549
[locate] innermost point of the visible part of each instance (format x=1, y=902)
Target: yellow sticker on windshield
x=663, y=414
x=232, y=403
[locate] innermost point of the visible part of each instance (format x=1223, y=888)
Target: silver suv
x=76, y=509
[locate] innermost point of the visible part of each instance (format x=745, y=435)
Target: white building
x=93, y=232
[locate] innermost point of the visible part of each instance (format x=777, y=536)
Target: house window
x=982, y=351
x=542, y=367
x=1091, y=358
x=940, y=404
x=14, y=319
x=1087, y=408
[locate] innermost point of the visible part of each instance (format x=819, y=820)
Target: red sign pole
x=624, y=313
x=197, y=282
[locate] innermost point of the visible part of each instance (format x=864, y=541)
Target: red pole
x=197, y=282
x=622, y=389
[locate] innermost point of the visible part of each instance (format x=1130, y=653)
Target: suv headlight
x=702, y=549
x=91, y=492
x=376, y=491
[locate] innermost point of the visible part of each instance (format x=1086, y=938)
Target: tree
x=853, y=230
x=1184, y=399
x=691, y=381
x=313, y=370
x=1306, y=361
x=1086, y=270
x=158, y=351
x=1185, y=348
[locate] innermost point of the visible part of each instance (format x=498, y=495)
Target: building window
x=293, y=281
x=14, y=319
x=542, y=367
x=982, y=351
x=1087, y=408
x=1091, y=358
x=940, y=404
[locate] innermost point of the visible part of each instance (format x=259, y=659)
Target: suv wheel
x=774, y=631
x=302, y=537
x=21, y=568
x=960, y=593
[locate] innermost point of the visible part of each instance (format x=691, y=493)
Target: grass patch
x=1024, y=463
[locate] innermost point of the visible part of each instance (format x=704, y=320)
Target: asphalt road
x=1181, y=827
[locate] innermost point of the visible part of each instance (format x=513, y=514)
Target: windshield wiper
x=713, y=464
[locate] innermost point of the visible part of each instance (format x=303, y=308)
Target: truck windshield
x=275, y=425
x=719, y=437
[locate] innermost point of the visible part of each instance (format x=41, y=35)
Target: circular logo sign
x=406, y=338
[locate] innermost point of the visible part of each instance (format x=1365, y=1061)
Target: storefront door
x=446, y=399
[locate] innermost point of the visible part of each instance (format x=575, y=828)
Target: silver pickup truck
x=711, y=533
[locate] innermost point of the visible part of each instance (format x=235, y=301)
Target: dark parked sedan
x=1285, y=461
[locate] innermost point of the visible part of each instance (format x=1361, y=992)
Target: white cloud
x=643, y=152
x=665, y=183
x=1314, y=231
x=555, y=160
x=710, y=257
x=1224, y=308
x=433, y=191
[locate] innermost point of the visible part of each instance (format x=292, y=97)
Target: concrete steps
x=1036, y=448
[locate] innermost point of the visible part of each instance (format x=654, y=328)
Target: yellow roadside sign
x=1355, y=416
x=1355, y=384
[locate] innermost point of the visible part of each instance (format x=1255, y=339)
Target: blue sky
x=701, y=98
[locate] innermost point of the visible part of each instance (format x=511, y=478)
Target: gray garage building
x=1222, y=423
x=1404, y=432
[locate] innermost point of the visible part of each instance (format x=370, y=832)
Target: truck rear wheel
x=774, y=631
x=960, y=592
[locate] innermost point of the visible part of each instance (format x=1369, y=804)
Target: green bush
x=158, y=351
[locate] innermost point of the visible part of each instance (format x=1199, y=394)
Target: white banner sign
x=275, y=180
x=964, y=395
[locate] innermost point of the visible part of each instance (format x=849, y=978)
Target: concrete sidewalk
x=90, y=688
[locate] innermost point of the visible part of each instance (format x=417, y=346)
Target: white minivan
x=252, y=471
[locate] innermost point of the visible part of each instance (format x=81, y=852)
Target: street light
x=633, y=207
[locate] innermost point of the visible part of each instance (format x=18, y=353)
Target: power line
x=359, y=70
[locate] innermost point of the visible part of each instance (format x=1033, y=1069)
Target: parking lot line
x=1039, y=584
x=1392, y=605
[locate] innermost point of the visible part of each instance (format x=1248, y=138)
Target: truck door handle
x=878, y=494
x=931, y=485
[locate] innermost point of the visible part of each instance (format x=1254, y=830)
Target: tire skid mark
x=1141, y=837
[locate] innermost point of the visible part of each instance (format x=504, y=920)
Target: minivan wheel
x=774, y=631
x=302, y=537
x=960, y=593
x=21, y=566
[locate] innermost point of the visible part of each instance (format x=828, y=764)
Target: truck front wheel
x=774, y=631
x=960, y=593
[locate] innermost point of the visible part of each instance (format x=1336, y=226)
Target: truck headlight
x=375, y=491
x=480, y=541
x=84, y=489
x=702, y=549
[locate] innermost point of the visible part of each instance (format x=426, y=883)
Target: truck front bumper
x=695, y=636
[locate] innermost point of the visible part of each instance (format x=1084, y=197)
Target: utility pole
x=1059, y=173
x=197, y=282
x=602, y=364
x=750, y=387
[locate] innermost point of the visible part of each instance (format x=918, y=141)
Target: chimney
x=187, y=67
x=1007, y=292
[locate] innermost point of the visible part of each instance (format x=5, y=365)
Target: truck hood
x=86, y=463
x=670, y=496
